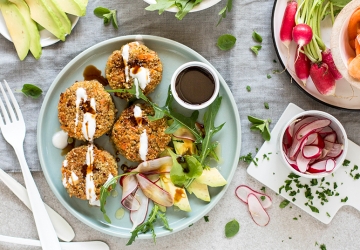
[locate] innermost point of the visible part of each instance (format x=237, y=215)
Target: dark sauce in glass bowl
x=195, y=85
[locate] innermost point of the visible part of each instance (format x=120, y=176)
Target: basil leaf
x=256, y=37
x=114, y=19
x=255, y=120
x=232, y=228
x=222, y=12
x=314, y=209
x=101, y=11
x=226, y=42
x=31, y=90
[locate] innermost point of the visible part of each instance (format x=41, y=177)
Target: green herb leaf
x=322, y=247
x=346, y=163
x=248, y=159
x=257, y=37
x=248, y=88
x=284, y=203
x=31, y=90
x=262, y=197
x=345, y=199
x=206, y=218
x=314, y=209
x=266, y=105
x=226, y=42
x=256, y=49
x=160, y=5
x=108, y=15
x=232, y=228
x=268, y=76
x=224, y=10
x=262, y=126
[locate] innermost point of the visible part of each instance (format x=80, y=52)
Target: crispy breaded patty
x=136, y=137
x=86, y=111
x=75, y=170
x=133, y=64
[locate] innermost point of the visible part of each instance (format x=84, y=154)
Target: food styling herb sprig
x=262, y=125
x=183, y=6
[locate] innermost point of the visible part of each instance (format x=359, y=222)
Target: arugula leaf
x=148, y=225
x=223, y=11
x=226, y=42
x=232, y=228
x=256, y=49
x=108, y=16
x=262, y=126
x=31, y=90
x=257, y=37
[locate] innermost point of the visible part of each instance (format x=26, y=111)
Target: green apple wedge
x=35, y=46
x=73, y=7
x=17, y=28
x=61, y=15
x=46, y=18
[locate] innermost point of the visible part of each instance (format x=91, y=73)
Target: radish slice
x=154, y=192
x=330, y=137
x=302, y=163
x=336, y=150
x=306, y=130
x=317, y=167
x=330, y=165
x=303, y=121
x=138, y=217
x=156, y=166
x=242, y=192
x=311, y=151
x=257, y=212
x=312, y=138
x=328, y=145
x=128, y=200
x=326, y=130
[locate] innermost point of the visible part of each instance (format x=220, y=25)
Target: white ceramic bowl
x=206, y=67
x=341, y=138
x=339, y=44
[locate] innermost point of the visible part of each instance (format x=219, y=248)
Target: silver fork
x=13, y=130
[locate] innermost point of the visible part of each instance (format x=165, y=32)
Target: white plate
x=46, y=38
x=202, y=6
x=343, y=89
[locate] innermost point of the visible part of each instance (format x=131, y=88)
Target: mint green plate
x=172, y=55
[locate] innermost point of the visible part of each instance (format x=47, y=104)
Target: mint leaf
x=262, y=126
x=256, y=49
x=224, y=10
x=226, y=42
x=108, y=15
x=256, y=37
x=284, y=203
x=31, y=90
x=232, y=228
x=101, y=11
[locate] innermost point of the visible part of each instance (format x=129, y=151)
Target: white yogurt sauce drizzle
x=143, y=149
x=142, y=75
x=136, y=82
x=60, y=139
x=89, y=181
x=137, y=112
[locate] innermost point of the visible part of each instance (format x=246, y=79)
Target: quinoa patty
x=75, y=169
x=133, y=131
x=94, y=114
x=133, y=61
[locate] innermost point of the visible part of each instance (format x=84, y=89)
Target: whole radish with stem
x=302, y=66
x=302, y=34
x=288, y=23
x=323, y=80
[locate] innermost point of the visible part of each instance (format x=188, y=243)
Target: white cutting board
x=272, y=172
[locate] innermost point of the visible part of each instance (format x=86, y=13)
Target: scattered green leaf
x=206, y=218
x=226, y=42
x=257, y=37
x=345, y=199
x=284, y=203
x=322, y=247
x=262, y=126
x=268, y=76
x=266, y=105
x=224, y=11
x=256, y=49
x=346, y=163
x=248, y=88
x=108, y=15
x=248, y=159
x=232, y=228
x=31, y=90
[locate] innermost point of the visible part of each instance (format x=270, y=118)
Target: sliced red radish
x=336, y=150
x=302, y=163
x=328, y=145
x=326, y=130
x=137, y=217
x=156, y=166
x=331, y=137
x=330, y=165
x=257, y=212
x=305, y=120
x=128, y=200
x=311, y=152
x=312, y=138
x=306, y=130
x=317, y=167
x=242, y=192
x=287, y=139
x=154, y=192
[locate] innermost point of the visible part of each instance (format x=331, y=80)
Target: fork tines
x=10, y=106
